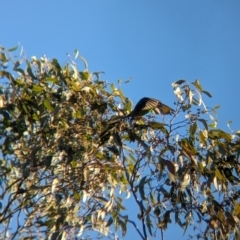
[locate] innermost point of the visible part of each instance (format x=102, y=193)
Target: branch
x=135, y=197
x=135, y=226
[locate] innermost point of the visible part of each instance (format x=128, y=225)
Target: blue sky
x=152, y=42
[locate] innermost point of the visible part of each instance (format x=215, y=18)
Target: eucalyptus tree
x=76, y=157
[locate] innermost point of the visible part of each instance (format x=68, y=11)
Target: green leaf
x=3, y=57
x=12, y=49
x=236, y=209
x=207, y=93
x=77, y=196
x=52, y=80
x=76, y=87
x=157, y=211
x=198, y=85
x=24, y=107
x=187, y=146
x=149, y=224
x=20, y=71
x=84, y=75
x=186, y=223
x=185, y=181
x=84, y=61
x=48, y=105
x=177, y=219
x=141, y=187
x=202, y=138
x=76, y=53
x=7, y=75
x=112, y=87
x=190, y=194
x=78, y=114
x=204, y=122
x=75, y=75
x=238, y=133
x=16, y=65
x=110, y=222
x=37, y=88
x=219, y=175
x=123, y=226
x=218, y=133
x=170, y=166
x=195, y=101
x=200, y=166
x=157, y=125
x=121, y=94
x=56, y=64
x=192, y=130
x=73, y=164
x=29, y=71
x=20, y=83
x=215, y=109
x=132, y=158
x=177, y=83
x=186, y=107
x=35, y=117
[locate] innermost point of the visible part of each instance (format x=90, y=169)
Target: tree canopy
x=73, y=163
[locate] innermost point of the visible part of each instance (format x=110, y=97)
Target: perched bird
x=146, y=105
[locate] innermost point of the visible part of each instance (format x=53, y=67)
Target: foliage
x=72, y=162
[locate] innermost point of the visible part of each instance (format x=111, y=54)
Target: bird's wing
x=157, y=106
x=146, y=105
x=164, y=109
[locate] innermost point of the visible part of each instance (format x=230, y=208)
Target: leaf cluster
x=71, y=158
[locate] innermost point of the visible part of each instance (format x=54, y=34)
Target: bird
x=146, y=105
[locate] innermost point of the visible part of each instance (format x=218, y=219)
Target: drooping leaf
x=177, y=83
x=218, y=134
x=52, y=80
x=204, y=122
x=12, y=49
x=149, y=224
x=192, y=130
x=185, y=181
x=170, y=166
x=37, y=88
x=48, y=105
x=141, y=187
x=188, y=146
x=207, y=93
x=203, y=137
x=158, y=125
x=3, y=57
x=30, y=72
x=84, y=75
x=198, y=85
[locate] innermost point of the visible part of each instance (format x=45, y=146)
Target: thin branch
x=135, y=226
x=162, y=234
x=135, y=197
